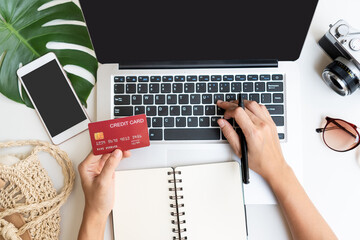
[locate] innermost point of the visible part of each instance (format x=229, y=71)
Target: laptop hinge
x=253, y=63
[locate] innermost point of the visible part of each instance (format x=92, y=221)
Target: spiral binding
x=176, y=206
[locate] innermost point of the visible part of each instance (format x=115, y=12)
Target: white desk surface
x=331, y=179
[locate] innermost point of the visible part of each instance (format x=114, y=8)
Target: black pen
x=244, y=157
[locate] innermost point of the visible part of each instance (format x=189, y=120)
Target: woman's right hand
x=264, y=151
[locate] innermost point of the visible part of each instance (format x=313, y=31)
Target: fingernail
x=116, y=153
x=221, y=123
x=219, y=101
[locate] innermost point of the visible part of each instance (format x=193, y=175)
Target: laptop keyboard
x=180, y=107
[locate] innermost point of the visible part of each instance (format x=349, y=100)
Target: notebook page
x=142, y=205
x=213, y=201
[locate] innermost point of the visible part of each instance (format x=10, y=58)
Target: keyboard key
x=209, y=110
x=220, y=111
x=151, y=110
x=214, y=121
x=195, y=99
x=279, y=120
x=171, y=99
x=216, y=78
x=163, y=110
x=204, y=121
x=230, y=97
x=228, y=78
x=177, y=87
x=235, y=87
x=254, y=97
x=131, y=79
x=186, y=110
x=248, y=87
x=265, y=98
x=148, y=99
x=278, y=98
x=155, y=134
x=189, y=88
x=240, y=77
x=123, y=111
x=201, y=87
x=252, y=77
x=183, y=99
x=142, y=88
x=130, y=88
x=192, y=134
x=119, y=88
x=206, y=99
x=204, y=78
x=192, y=122
x=260, y=87
x=148, y=120
x=121, y=100
x=174, y=110
x=218, y=97
x=139, y=110
x=136, y=99
x=213, y=87
x=231, y=121
x=155, y=79
x=157, y=122
x=154, y=88
x=277, y=77
x=265, y=77
x=275, y=109
x=224, y=87
x=274, y=86
x=167, y=79
x=165, y=87
x=159, y=99
x=198, y=110
x=281, y=136
x=244, y=96
x=179, y=78
x=143, y=79
x=180, y=121
x=169, y=122
x=192, y=78
x=119, y=79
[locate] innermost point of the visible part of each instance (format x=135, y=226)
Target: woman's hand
x=98, y=182
x=264, y=151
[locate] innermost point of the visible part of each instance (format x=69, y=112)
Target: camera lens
x=342, y=76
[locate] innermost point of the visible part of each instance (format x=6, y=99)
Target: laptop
x=172, y=60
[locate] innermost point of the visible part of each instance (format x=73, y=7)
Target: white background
x=331, y=179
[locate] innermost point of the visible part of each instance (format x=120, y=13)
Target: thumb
x=110, y=165
x=230, y=134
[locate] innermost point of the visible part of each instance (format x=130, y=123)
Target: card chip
x=99, y=136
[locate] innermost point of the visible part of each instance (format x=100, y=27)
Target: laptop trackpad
x=186, y=154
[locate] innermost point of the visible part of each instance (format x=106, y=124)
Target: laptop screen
x=124, y=31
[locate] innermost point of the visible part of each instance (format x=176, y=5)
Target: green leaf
x=23, y=38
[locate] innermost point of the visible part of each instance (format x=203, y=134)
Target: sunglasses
x=339, y=135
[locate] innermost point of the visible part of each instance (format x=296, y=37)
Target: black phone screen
x=53, y=97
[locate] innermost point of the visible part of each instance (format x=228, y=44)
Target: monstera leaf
x=31, y=28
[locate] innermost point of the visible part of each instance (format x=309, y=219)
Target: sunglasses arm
x=319, y=130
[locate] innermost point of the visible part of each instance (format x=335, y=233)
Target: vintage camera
x=342, y=43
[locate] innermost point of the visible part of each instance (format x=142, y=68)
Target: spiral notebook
x=190, y=202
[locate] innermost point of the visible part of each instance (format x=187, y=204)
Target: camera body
x=342, y=44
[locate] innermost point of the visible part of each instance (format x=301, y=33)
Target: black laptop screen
x=123, y=31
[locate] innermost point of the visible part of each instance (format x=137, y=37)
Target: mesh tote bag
x=29, y=203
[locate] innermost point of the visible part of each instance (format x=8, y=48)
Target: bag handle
x=55, y=203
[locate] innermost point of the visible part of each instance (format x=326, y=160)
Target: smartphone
x=54, y=98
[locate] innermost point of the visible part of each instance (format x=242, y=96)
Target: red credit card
x=121, y=133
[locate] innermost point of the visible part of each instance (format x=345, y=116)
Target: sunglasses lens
x=340, y=136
